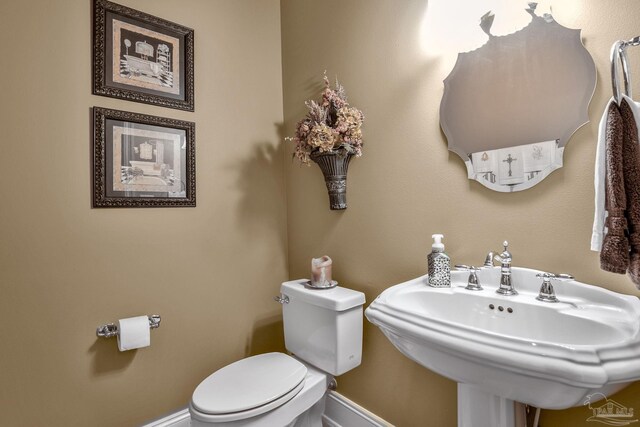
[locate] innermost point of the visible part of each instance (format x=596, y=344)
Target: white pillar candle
x=321, y=271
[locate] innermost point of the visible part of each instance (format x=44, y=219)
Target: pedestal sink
x=502, y=349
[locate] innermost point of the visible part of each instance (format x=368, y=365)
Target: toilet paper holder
x=111, y=329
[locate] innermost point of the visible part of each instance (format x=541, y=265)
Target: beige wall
x=66, y=268
x=408, y=186
x=211, y=271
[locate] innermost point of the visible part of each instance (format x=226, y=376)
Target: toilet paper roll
x=134, y=332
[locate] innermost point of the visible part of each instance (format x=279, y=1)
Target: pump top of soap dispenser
x=437, y=245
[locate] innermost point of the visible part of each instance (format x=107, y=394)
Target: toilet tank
x=323, y=326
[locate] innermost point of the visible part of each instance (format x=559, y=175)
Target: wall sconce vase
x=334, y=166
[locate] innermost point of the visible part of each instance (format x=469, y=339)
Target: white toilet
x=322, y=330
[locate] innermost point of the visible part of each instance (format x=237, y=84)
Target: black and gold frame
x=142, y=161
x=141, y=58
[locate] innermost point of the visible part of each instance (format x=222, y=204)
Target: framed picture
x=141, y=58
x=142, y=161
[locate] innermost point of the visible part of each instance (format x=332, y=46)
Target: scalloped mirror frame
x=521, y=91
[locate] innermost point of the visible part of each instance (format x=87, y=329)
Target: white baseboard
x=342, y=412
x=177, y=419
x=339, y=412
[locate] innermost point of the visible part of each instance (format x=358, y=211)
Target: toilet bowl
x=268, y=403
x=323, y=330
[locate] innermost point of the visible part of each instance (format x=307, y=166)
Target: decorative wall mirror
x=510, y=106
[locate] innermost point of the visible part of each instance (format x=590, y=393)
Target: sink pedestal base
x=477, y=408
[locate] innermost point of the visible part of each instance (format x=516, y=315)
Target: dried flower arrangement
x=331, y=125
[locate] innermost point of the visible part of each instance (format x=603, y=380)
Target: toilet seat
x=249, y=387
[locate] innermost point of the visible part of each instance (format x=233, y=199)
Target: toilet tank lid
x=337, y=299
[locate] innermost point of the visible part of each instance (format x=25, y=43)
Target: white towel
x=598, y=232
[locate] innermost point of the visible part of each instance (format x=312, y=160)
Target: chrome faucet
x=506, y=287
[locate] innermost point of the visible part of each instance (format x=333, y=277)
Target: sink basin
x=549, y=355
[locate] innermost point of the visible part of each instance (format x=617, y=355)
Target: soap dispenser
x=439, y=264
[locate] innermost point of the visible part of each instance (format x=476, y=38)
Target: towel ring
x=618, y=53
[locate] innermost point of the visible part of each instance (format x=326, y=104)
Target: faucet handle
x=472, y=283
x=559, y=276
x=547, y=293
